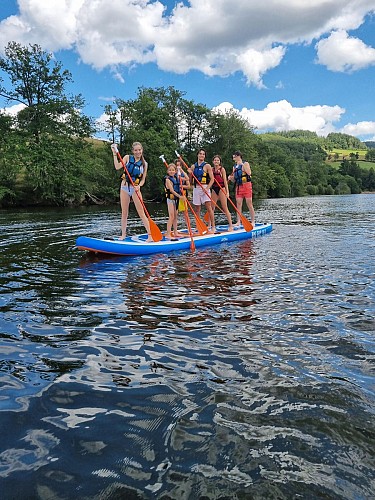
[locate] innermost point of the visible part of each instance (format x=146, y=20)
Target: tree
x=49, y=155
x=38, y=82
x=229, y=131
x=368, y=179
x=8, y=160
x=370, y=155
x=344, y=141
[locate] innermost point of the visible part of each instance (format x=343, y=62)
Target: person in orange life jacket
x=220, y=177
x=201, y=195
x=173, y=193
x=241, y=176
x=137, y=167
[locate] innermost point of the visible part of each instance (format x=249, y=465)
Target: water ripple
x=242, y=371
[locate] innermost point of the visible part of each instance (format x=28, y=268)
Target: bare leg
x=208, y=205
x=249, y=203
x=197, y=209
x=175, y=225
x=175, y=221
x=124, y=201
x=142, y=215
x=239, y=208
x=170, y=222
x=224, y=206
x=214, y=197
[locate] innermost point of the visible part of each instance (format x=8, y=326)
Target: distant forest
x=49, y=155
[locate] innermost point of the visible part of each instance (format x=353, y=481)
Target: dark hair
x=237, y=153
x=202, y=149
x=217, y=156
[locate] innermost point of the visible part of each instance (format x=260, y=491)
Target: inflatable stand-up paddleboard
x=137, y=245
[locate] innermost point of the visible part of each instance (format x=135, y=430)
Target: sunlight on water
x=243, y=370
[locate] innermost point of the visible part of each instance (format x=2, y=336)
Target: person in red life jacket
x=220, y=189
x=137, y=168
x=174, y=185
x=241, y=176
x=201, y=177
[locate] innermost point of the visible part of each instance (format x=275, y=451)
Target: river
x=241, y=371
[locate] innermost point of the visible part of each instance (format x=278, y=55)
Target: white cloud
x=245, y=38
x=215, y=37
x=254, y=64
x=365, y=128
x=340, y=52
x=281, y=116
x=13, y=110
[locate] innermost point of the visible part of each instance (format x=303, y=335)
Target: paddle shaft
x=201, y=226
x=186, y=215
x=201, y=185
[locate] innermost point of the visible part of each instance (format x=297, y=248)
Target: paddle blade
x=156, y=234
x=206, y=217
x=246, y=224
x=201, y=226
x=181, y=206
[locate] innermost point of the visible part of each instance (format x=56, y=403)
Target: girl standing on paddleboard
x=220, y=189
x=133, y=179
x=174, y=187
x=241, y=176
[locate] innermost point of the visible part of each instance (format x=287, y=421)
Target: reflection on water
x=239, y=371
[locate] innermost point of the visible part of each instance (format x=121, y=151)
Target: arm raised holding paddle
x=135, y=171
x=174, y=192
x=202, y=179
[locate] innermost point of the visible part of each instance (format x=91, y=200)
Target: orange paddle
x=154, y=229
x=245, y=222
x=201, y=185
x=201, y=227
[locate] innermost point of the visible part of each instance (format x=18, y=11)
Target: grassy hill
x=345, y=154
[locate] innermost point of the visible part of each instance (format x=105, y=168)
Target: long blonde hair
x=142, y=157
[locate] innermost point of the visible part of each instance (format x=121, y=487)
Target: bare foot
x=149, y=239
x=230, y=228
x=122, y=237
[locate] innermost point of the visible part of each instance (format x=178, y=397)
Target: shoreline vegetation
x=49, y=155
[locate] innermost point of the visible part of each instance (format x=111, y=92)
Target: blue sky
x=282, y=64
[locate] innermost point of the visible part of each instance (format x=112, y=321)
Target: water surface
x=244, y=370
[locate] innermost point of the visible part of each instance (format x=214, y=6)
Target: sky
x=281, y=64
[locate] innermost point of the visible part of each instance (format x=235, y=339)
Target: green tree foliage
x=45, y=158
x=230, y=132
x=344, y=141
x=8, y=161
x=370, y=155
x=368, y=180
x=47, y=155
x=38, y=82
